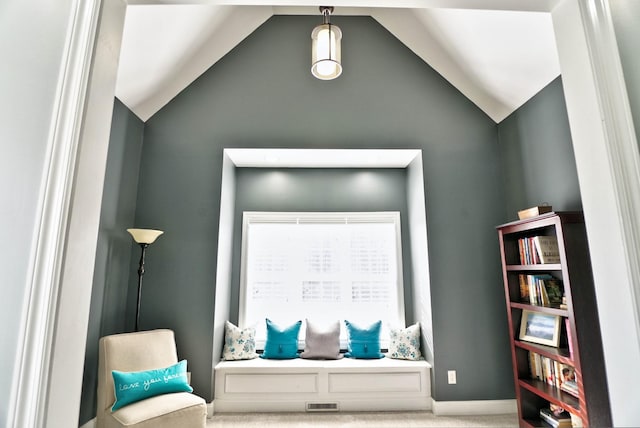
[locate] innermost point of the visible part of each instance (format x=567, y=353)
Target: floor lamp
x=144, y=237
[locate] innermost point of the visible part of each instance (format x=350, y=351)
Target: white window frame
x=393, y=217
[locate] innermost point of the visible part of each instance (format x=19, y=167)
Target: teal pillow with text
x=130, y=387
x=364, y=342
x=281, y=343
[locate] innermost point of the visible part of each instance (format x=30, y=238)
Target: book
x=566, y=373
x=576, y=422
x=558, y=417
x=535, y=366
x=571, y=387
x=554, y=291
x=547, y=249
x=541, y=290
x=521, y=251
x=534, y=211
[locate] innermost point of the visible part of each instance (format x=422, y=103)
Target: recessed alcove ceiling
x=498, y=53
x=322, y=158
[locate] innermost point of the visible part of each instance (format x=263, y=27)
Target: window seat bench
x=262, y=385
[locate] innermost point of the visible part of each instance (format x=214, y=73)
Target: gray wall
x=329, y=190
x=626, y=15
x=537, y=154
x=32, y=42
x=262, y=95
x=111, y=282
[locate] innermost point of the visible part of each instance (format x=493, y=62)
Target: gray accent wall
x=111, y=283
x=537, y=154
x=262, y=95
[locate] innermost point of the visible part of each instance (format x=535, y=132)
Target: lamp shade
x=145, y=236
x=326, y=51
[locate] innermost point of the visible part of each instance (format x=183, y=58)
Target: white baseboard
x=474, y=407
x=343, y=403
x=90, y=424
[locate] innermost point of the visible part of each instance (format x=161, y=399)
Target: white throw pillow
x=239, y=344
x=405, y=343
x=322, y=342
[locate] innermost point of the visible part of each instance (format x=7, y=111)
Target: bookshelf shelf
x=534, y=268
x=559, y=354
x=541, y=309
x=552, y=394
x=541, y=370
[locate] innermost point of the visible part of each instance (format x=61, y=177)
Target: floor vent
x=322, y=407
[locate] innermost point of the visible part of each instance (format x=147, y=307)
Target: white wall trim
x=474, y=407
x=622, y=144
x=70, y=322
x=608, y=166
x=34, y=357
x=224, y=263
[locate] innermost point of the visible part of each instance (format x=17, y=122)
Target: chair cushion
x=155, y=409
x=130, y=387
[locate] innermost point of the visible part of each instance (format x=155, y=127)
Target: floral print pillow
x=405, y=343
x=239, y=344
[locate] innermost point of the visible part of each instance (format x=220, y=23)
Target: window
x=321, y=266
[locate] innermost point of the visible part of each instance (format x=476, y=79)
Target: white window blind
x=321, y=266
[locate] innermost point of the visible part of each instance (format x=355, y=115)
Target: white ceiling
x=498, y=53
x=322, y=158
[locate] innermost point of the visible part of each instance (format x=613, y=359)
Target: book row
x=541, y=290
x=538, y=250
x=554, y=373
x=558, y=417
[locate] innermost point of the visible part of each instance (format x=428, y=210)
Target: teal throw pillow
x=282, y=343
x=130, y=387
x=364, y=342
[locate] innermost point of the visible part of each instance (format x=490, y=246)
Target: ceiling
x=498, y=53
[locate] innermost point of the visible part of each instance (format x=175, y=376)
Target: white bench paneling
x=375, y=382
x=348, y=384
x=270, y=383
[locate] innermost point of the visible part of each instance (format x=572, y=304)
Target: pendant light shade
x=325, y=48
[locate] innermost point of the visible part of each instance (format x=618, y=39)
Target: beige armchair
x=139, y=351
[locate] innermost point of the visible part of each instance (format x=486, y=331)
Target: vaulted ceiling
x=498, y=53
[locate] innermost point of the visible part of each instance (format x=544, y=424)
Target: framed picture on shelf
x=540, y=328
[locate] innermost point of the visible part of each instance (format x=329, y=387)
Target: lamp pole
x=143, y=246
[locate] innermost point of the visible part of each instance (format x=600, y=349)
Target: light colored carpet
x=357, y=420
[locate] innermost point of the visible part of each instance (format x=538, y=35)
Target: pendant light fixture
x=325, y=48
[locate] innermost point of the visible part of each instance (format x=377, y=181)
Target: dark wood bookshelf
x=580, y=329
